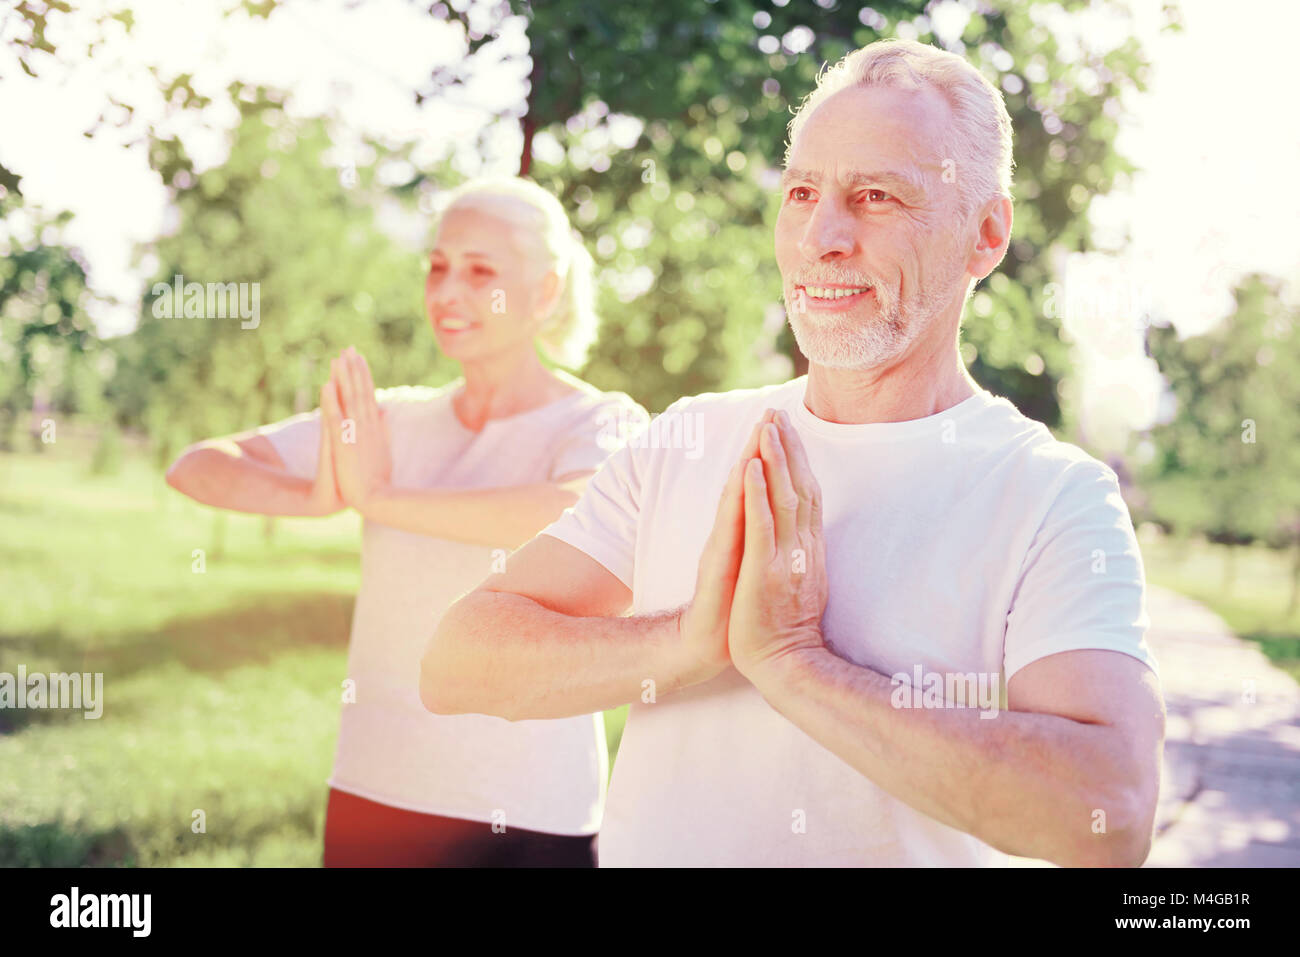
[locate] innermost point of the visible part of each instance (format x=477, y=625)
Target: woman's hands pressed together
x=357, y=431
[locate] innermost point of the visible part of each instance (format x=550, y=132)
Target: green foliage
x=278, y=215
x=715, y=84
x=50, y=357
x=1227, y=465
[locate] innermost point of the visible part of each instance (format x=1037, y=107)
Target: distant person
x=828, y=606
x=448, y=480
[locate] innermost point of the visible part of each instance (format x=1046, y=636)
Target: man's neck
x=925, y=381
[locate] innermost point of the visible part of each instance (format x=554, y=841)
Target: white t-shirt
x=544, y=776
x=969, y=541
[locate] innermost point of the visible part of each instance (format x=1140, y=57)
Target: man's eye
x=483, y=271
x=801, y=194
x=877, y=196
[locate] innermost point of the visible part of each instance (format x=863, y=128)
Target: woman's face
x=488, y=290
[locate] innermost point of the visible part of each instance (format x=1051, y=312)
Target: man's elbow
x=1119, y=834
x=442, y=684
x=434, y=686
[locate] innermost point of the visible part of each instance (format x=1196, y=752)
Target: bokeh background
x=1146, y=311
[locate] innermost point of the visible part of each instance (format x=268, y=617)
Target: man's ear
x=992, y=238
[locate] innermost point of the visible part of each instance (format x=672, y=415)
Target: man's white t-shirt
x=544, y=776
x=968, y=541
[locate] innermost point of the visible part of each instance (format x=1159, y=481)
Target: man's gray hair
x=979, y=143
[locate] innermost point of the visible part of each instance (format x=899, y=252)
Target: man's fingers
x=728, y=524
x=760, y=541
x=801, y=474
x=782, y=497
x=751, y=445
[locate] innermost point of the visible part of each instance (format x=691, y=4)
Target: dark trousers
x=362, y=833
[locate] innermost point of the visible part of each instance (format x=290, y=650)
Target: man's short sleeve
x=603, y=523
x=297, y=440
x=590, y=441
x=1082, y=584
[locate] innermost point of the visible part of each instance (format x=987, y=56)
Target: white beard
x=845, y=342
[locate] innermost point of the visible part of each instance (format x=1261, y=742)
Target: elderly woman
x=448, y=480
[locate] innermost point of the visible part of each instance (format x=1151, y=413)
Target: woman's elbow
x=180, y=474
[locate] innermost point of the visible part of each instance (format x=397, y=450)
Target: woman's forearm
x=495, y=517
x=218, y=473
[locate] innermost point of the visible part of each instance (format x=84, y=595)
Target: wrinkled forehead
x=876, y=127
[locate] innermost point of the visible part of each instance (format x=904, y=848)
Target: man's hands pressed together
x=782, y=588
x=762, y=583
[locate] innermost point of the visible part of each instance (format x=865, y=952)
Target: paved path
x=1230, y=792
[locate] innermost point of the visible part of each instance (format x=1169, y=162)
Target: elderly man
x=818, y=601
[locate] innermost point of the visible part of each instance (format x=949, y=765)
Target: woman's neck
x=505, y=385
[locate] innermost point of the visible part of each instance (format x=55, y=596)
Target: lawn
x=1248, y=587
x=222, y=687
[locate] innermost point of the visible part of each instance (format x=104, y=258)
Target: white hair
x=980, y=138
x=571, y=329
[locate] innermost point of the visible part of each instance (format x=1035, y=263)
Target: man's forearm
x=504, y=654
x=1028, y=784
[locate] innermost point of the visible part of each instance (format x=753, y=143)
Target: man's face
x=868, y=240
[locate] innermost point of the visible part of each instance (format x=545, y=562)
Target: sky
x=1215, y=138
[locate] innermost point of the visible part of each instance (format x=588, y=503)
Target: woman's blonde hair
x=571, y=329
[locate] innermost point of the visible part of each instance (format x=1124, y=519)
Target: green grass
x=1248, y=587
x=222, y=689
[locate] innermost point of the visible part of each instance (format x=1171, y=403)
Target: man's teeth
x=825, y=292
x=455, y=324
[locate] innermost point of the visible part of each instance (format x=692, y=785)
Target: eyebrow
x=895, y=180
x=470, y=255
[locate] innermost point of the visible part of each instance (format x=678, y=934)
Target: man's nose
x=830, y=233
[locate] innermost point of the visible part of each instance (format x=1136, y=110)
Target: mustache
x=834, y=277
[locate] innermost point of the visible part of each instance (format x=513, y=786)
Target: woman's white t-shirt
x=544, y=776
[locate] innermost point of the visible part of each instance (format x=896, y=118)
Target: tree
x=711, y=85
x=50, y=357
x=1227, y=464
x=294, y=235
x=714, y=84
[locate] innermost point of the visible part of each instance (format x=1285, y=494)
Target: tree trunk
x=530, y=117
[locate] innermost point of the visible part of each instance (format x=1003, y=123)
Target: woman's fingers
x=343, y=384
